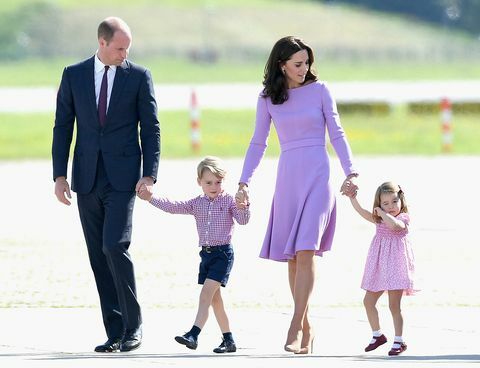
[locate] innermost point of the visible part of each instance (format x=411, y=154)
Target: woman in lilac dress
x=302, y=217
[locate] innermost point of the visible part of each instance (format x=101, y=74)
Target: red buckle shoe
x=397, y=351
x=380, y=340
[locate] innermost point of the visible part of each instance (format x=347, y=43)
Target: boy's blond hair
x=212, y=164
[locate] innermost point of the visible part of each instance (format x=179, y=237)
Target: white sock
x=375, y=334
x=397, y=341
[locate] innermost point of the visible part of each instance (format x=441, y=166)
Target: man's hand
x=147, y=181
x=145, y=193
x=144, y=188
x=62, y=188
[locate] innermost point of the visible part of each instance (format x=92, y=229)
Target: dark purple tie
x=102, y=98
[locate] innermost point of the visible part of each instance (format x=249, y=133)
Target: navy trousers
x=106, y=217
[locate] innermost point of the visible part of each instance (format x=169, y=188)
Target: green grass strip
x=227, y=133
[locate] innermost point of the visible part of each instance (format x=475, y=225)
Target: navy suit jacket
x=132, y=114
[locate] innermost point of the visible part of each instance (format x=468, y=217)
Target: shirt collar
x=100, y=67
x=206, y=197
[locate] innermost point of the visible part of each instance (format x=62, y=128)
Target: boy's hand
x=241, y=199
x=145, y=192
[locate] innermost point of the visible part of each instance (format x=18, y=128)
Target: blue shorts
x=216, y=264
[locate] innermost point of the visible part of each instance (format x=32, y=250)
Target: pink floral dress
x=390, y=262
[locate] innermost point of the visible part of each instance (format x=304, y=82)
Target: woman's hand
x=349, y=187
x=241, y=197
x=241, y=200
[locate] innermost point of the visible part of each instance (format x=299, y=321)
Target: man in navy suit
x=117, y=150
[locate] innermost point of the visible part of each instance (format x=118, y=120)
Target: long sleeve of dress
x=258, y=143
x=336, y=132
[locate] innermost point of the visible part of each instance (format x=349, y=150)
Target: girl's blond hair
x=212, y=164
x=389, y=187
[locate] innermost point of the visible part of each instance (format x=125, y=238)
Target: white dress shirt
x=99, y=70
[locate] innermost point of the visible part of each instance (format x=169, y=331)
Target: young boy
x=214, y=213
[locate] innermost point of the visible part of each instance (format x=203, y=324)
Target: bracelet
x=352, y=175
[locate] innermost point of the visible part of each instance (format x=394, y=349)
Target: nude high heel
x=308, y=347
x=293, y=345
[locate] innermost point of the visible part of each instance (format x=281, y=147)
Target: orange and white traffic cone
x=447, y=136
x=195, y=123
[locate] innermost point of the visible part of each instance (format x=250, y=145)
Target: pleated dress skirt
x=303, y=211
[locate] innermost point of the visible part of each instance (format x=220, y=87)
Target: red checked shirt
x=214, y=218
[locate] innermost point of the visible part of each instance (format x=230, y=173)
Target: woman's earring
x=283, y=71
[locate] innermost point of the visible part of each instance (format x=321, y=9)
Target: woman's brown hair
x=274, y=81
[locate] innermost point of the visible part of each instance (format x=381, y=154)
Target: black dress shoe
x=110, y=346
x=227, y=346
x=188, y=340
x=131, y=341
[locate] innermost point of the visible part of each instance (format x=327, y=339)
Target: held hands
x=145, y=193
x=61, y=188
x=241, y=197
x=349, y=188
x=144, y=188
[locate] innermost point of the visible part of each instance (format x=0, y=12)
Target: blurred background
x=389, y=64
x=406, y=75
x=436, y=32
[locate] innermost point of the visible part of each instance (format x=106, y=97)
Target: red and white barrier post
x=446, y=113
x=195, y=123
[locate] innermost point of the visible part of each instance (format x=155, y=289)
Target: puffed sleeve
x=404, y=217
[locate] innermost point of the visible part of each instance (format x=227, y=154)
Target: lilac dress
x=390, y=262
x=302, y=215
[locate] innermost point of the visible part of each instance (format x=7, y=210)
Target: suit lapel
x=121, y=76
x=90, y=83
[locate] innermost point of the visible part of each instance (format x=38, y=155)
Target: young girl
x=214, y=212
x=390, y=262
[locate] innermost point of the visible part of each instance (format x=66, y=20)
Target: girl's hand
x=389, y=220
x=349, y=188
x=378, y=211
